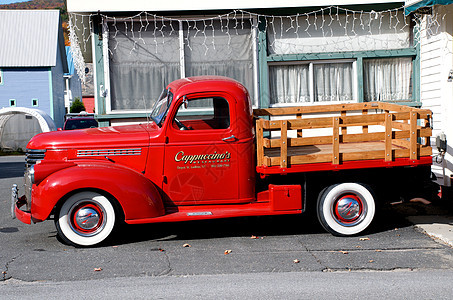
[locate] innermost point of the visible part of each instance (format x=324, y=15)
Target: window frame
x=311, y=63
x=12, y=103
x=359, y=56
x=182, y=38
x=32, y=102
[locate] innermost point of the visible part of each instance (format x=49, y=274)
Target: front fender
x=137, y=196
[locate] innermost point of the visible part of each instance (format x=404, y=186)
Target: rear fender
x=137, y=196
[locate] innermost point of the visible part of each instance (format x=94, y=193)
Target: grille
x=33, y=156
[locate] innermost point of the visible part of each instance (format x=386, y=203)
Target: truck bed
x=295, y=139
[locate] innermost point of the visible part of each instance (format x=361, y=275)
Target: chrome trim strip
x=109, y=152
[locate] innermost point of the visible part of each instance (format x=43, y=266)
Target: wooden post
x=413, y=134
x=284, y=144
x=388, y=137
x=259, y=142
x=336, y=141
x=299, y=131
x=365, y=127
x=344, y=130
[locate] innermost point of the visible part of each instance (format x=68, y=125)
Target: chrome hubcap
x=87, y=218
x=349, y=210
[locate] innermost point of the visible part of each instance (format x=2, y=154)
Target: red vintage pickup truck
x=227, y=160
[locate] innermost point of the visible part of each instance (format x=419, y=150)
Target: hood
x=114, y=136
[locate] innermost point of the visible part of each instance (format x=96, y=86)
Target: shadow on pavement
x=11, y=169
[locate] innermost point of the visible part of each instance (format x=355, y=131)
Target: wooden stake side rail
x=396, y=135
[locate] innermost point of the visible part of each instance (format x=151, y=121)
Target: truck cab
x=205, y=149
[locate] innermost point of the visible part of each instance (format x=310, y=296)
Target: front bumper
x=16, y=204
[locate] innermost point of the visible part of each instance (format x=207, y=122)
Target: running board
x=192, y=213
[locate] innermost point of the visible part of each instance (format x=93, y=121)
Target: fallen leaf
x=296, y=261
x=396, y=228
x=254, y=237
x=344, y=252
x=358, y=246
x=114, y=246
x=97, y=269
x=377, y=250
x=364, y=239
x=227, y=252
x=186, y=246
x=371, y=261
x=161, y=250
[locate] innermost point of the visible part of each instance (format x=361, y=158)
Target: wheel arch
x=132, y=194
x=116, y=204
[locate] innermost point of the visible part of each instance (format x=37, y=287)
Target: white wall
x=436, y=92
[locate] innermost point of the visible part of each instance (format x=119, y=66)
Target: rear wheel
x=346, y=209
x=85, y=219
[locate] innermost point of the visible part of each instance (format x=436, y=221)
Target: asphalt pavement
x=243, y=252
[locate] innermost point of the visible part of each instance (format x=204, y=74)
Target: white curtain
x=387, y=79
x=226, y=52
x=333, y=82
x=145, y=57
x=141, y=62
x=289, y=84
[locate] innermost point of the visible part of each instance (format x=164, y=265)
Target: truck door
x=201, y=163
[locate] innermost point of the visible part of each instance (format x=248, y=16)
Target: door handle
x=229, y=138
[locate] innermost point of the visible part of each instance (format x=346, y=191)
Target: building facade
x=32, y=61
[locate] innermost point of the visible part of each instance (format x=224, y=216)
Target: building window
x=12, y=102
x=312, y=82
x=169, y=50
x=34, y=102
x=387, y=79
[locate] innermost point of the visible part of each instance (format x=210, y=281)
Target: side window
x=203, y=114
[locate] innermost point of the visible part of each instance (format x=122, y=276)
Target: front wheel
x=85, y=219
x=346, y=209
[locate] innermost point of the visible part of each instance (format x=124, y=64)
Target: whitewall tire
x=346, y=208
x=85, y=219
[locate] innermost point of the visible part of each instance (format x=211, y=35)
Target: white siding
x=435, y=91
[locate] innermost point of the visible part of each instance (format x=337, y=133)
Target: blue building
x=33, y=61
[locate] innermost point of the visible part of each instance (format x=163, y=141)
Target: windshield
x=161, y=107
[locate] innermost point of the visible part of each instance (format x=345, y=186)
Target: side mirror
x=59, y=129
x=185, y=102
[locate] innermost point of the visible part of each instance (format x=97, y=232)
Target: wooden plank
x=388, y=137
x=259, y=142
x=401, y=126
x=402, y=143
x=284, y=144
x=349, y=138
x=281, y=111
x=394, y=107
x=413, y=138
x=336, y=141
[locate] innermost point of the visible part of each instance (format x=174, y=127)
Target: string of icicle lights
x=331, y=29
